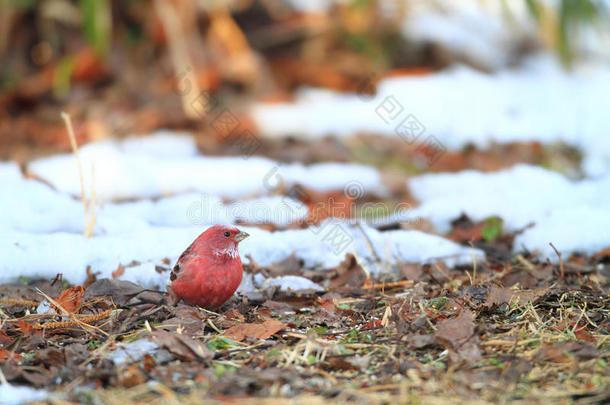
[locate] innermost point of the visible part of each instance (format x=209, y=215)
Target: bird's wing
x=177, y=269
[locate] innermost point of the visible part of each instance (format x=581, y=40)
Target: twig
x=561, y=269
x=387, y=285
x=473, y=281
x=368, y=242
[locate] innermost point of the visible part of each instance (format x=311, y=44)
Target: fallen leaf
x=8, y=355
x=121, y=291
x=119, y=271
x=467, y=232
x=565, y=352
x=91, y=277
x=469, y=352
x=411, y=271
x=521, y=276
x=327, y=304
x=582, y=333
x=499, y=296
x=339, y=363
x=182, y=346
x=420, y=341
x=254, y=330
x=52, y=356
x=131, y=377
x=26, y=328
x=5, y=340
x=325, y=205
x=602, y=254
x=277, y=308
x=71, y=299
x=349, y=274
x=456, y=331
x=514, y=369
x=235, y=315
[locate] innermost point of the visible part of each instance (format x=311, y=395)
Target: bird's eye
x=227, y=234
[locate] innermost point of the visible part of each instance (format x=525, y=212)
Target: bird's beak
x=241, y=236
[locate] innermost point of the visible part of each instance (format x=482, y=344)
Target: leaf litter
x=513, y=331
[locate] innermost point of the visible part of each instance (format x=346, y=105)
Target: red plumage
x=209, y=271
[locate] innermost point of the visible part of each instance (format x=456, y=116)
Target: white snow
x=278, y=210
x=252, y=285
x=538, y=101
x=148, y=167
x=133, y=351
x=578, y=229
x=287, y=283
x=17, y=395
x=44, y=255
x=573, y=215
x=42, y=235
x=470, y=30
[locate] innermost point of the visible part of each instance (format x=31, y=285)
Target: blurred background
x=132, y=67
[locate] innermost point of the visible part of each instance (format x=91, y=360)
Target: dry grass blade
x=561, y=268
x=88, y=207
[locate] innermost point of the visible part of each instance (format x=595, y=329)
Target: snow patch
x=538, y=101
x=17, y=395
x=142, y=168
x=573, y=215
x=252, y=285
x=132, y=351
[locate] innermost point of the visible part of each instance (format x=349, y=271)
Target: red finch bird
x=209, y=271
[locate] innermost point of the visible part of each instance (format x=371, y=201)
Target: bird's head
x=223, y=239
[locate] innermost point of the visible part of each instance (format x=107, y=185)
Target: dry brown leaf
x=71, y=299
x=131, y=377
x=499, y=296
x=326, y=304
x=456, y=331
x=8, y=355
x=254, y=330
x=349, y=274
x=120, y=290
x=119, y=271
x=182, y=346
x=602, y=254
x=235, y=315
x=565, y=352
x=26, y=328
